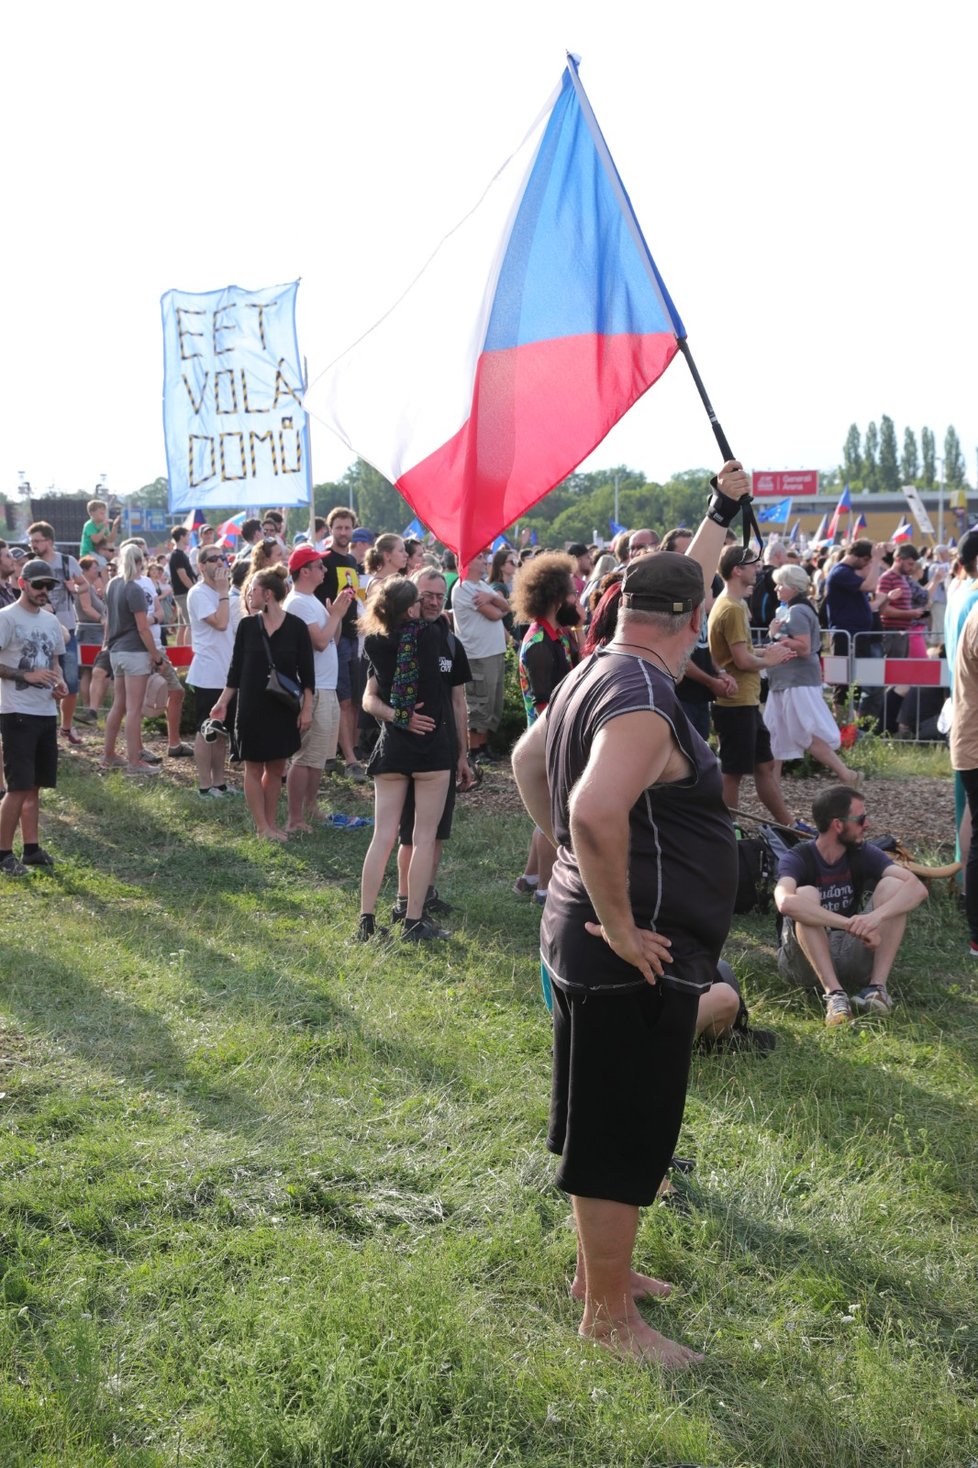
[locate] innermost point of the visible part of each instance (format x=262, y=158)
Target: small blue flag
x=616, y=529
x=778, y=511
x=500, y=543
x=415, y=531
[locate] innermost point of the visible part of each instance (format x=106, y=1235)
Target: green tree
x=376, y=501
x=909, y=461
x=954, y=471
x=153, y=496
x=852, y=457
x=889, y=469
x=871, y=473
x=928, y=457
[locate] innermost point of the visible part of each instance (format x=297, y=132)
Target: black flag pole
x=749, y=519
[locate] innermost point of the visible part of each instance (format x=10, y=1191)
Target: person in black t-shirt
x=639, y=907
x=182, y=578
x=825, y=938
x=342, y=569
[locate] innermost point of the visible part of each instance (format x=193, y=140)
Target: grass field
x=270, y=1198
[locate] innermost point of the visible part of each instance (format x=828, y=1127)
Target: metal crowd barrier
x=864, y=665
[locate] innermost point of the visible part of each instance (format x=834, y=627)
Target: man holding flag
x=638, y=909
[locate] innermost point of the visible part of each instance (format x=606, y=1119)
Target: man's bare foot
x=633, y=1340
x=299, y=826
x=644, y=1287
x=271, y=834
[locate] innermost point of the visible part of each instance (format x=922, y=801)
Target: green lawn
x=270, y=1198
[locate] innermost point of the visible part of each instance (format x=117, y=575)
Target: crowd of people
x=370, y=656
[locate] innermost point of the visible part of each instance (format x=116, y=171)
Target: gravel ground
x=920, y=817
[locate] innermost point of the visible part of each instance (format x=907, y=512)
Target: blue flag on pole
x=777, y=512
x=415, y=531
x=616, y=529
x=500, y=543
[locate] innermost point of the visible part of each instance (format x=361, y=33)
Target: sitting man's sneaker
x=422, y=931
x=873, y=1000
x=38, y=858
x=838, y=1010
x=11, y=867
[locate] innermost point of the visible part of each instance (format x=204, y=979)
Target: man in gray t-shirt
x=31, y=649
x=69, y=579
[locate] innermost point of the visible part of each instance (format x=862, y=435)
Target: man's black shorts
x=406, y=836
x=744, y=739
x=30, y=750
x=204, y=701
x=620, y=1070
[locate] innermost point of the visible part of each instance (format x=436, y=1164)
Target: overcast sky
x=804, y=178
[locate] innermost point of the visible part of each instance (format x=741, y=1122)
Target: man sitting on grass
x=827, y=938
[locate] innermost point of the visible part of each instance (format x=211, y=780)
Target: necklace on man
x=652, y=653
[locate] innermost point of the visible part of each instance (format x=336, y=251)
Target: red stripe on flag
x=537, y=411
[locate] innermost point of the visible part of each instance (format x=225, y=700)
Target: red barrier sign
x=780, y=482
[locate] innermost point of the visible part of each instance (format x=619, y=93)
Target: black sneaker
x=38, y=858
x=399, y=910
x=433, y=904
x=366, y=928
x=422, y=931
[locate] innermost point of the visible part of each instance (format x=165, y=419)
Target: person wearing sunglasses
x=830, y=937
x=212, y=639
x=32, y=644
x=745, y=745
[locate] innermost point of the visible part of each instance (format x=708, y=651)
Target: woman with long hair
x=133, y=655
x=266, y=731
x=386, y=557
x=417, y=744
x=546, y=601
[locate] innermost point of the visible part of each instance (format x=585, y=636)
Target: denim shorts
x=70, y=669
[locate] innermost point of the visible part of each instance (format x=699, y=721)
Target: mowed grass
x=271, y=1198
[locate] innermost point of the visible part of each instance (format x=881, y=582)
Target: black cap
x=663, y=582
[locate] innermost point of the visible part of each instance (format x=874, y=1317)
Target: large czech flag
x=536, y=324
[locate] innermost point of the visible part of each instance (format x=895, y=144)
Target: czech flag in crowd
x=795, y=530
x=844, y=506
x=860, y=524
x=822, y=532
x=903, y=532
x=231, y=529
x=534, y=327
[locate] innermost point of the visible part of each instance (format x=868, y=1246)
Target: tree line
x=872, y=463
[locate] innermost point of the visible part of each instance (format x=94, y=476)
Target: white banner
x=912, y=497
x=232, y=387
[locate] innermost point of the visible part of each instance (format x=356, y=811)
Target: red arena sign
x=781, y=482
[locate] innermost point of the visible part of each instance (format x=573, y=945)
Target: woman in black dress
x=417, y=742
x=266, y=732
